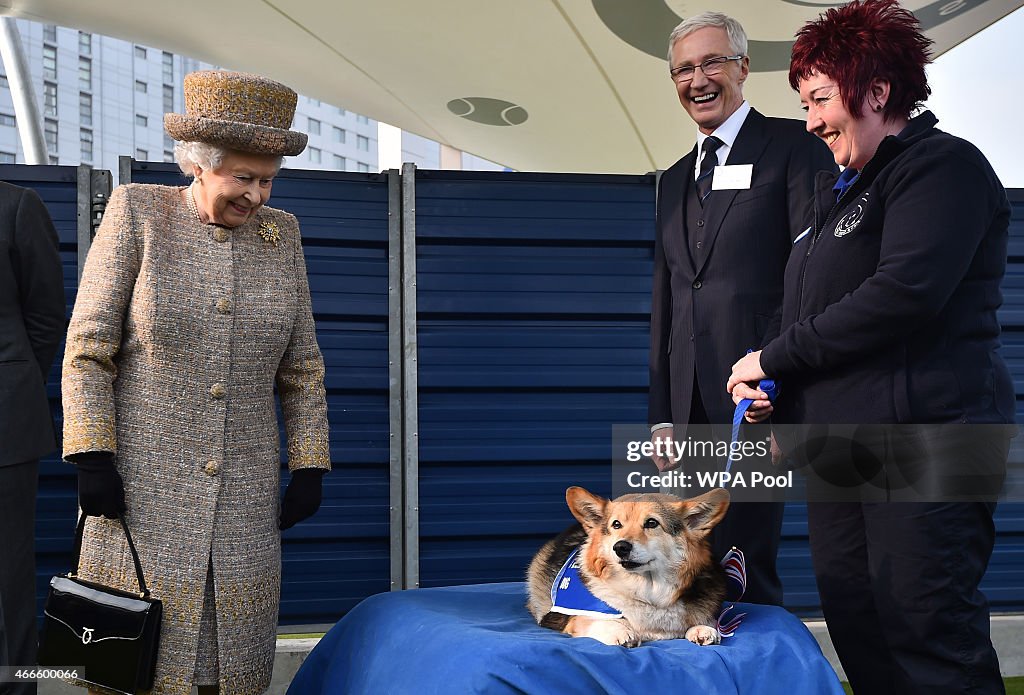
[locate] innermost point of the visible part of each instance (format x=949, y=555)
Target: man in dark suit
x=31, y=328
x=728, y=213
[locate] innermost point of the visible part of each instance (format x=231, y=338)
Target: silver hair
x=190, y=155
x=737, y=37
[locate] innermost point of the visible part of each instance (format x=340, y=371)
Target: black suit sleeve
x=659, y=403
x=40, y=278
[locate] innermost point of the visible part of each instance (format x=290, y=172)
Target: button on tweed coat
x=179, y=333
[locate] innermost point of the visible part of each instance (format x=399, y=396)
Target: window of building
x=8, y=120
x=49, y=62
x=314, y=126
x=85, y=108
x=363, y=143
x=341, y=111
x=85, y=72
x=50, y=135
x=168, y=142
x=86, y=137
x=339, y=134
x=140, y=52
x=168, y=67
x=50, y=99
x=364, y=167
x=168, y=98
x=315, y=155
x=50, y=33
x=141, y=155
x=3, y=82
x=142, y=121
x=168, y=155
x=7, y=158
x=363, y=120
x=339, y=162
x=54, y=159
x=314, y=102
x=141, y=86
x=85, y=43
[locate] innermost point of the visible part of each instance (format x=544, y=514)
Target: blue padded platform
x=480, y=639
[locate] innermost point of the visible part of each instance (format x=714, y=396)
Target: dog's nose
x=623, y=548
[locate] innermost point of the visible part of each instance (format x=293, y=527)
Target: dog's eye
x=651, y=523
x=616, y=524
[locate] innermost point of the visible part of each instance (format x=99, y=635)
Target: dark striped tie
x=708, y=162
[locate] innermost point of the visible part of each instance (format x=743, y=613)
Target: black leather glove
x=100, y=489
x=302, y=496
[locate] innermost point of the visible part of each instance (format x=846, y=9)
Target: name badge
x=732, y=177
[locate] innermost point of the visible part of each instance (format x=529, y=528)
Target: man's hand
x=662, y=440
x=777, y=454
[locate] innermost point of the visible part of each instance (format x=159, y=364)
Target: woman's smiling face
x=233, y=192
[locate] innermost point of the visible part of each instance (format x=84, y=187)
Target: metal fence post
x=93, y=193
x=410, y=414
x=395, y=440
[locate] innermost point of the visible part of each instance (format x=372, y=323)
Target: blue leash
x=771, y=389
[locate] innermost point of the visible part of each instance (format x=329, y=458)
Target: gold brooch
x=270, y=232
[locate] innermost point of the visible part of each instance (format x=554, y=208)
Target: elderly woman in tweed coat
x=194, y=303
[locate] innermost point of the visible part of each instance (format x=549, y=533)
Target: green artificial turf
x=1014, y=686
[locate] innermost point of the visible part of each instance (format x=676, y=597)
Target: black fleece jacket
x=889, y=311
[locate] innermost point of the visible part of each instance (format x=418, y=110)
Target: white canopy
x=543, y=85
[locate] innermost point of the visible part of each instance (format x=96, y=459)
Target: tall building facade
x=103, y=97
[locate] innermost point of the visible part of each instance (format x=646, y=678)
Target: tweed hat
x=238, y=111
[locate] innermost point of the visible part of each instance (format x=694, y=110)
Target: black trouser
x=899, y=589
x=18, y=485
x=753, y=527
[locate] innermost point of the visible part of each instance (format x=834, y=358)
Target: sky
x=978, y=93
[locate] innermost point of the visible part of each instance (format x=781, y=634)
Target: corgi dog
x=644, y=564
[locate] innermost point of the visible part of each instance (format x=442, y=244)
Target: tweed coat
x=179, y=333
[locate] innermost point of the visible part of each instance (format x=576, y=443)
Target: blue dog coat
x=570, y=596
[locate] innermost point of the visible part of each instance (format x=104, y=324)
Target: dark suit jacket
x=31, y=323
x=707, y=317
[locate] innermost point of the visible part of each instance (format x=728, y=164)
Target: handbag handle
x=135, y=554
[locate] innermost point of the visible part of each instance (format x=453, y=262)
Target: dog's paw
x=613, y=632
x=703, y=635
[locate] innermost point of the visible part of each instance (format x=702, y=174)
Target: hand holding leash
x=100, y=488
x=302, y=496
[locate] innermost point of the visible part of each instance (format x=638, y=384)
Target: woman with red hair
x=889, y=318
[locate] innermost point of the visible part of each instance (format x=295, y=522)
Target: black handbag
x=110, y=637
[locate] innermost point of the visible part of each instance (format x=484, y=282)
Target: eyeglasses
x=711, y=66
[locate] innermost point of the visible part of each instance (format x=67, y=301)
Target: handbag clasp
x=87, y=635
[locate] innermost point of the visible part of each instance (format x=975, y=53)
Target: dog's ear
x=586, y=507
x=701, y=514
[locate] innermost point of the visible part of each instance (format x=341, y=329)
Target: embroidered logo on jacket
x=851, y=219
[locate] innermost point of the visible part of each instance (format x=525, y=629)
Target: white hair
x=737, y=37
x=190, y=155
